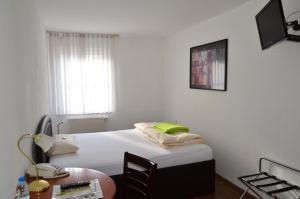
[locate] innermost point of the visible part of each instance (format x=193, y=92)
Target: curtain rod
x=83, y=33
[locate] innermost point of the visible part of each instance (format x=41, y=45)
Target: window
x=82, y=75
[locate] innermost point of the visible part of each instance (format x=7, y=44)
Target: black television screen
x=271, y=24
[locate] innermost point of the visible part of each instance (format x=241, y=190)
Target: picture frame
x=208, y=66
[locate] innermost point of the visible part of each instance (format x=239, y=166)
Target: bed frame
x=176, y=182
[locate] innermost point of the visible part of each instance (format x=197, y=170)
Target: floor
x=225, y=190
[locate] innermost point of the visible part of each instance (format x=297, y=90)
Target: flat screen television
x=271, y=24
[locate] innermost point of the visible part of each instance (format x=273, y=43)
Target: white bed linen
x=105, y=152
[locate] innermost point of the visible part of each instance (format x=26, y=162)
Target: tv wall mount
x=296, y=27
x=293, y=24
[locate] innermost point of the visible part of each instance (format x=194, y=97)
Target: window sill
x=87, y=116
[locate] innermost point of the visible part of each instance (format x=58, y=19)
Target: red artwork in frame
x=208, y=66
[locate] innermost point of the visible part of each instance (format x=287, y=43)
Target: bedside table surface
x=108, y=186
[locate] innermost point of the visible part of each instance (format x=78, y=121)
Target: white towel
x=165, y=139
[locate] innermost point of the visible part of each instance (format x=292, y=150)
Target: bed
x=183, y=172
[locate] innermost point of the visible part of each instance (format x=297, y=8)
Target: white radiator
x=78, y=125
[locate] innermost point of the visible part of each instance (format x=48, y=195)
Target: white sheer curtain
x=82, y=74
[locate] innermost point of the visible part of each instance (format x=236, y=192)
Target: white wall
x=8, y=103
x=259, y=115
x=139, y=82
x=139, y=87
x=22, y=84
x=32, y=71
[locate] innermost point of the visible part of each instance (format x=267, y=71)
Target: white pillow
x=62, y=144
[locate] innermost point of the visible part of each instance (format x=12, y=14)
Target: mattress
x=104, y=152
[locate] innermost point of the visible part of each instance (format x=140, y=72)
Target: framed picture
x=208, y=66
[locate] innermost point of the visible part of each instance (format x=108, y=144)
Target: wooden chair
x=138, y=177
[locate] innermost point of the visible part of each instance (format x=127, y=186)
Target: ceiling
x=156, y=18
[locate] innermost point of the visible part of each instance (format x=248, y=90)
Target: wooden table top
x=108, y=186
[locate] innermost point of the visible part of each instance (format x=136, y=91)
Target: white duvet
x=105, y=151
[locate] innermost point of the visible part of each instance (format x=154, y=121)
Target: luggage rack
x=256, y=181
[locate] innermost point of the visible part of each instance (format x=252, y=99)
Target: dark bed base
x=177, y=182
x=181, y=182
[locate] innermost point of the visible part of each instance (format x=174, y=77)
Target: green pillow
x=171, y=128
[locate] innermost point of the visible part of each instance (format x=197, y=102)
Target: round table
x=108, y=186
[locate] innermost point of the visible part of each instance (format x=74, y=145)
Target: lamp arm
x=27, y=156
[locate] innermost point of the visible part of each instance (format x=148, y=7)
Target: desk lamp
x=45, y=142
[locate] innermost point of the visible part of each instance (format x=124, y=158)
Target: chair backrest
x=138, y=177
